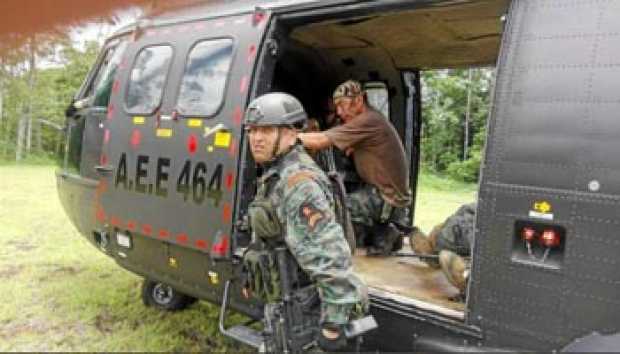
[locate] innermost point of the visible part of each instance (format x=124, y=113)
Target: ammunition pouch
x=263, y=219
x=262, y=275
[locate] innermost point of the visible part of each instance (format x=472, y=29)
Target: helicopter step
x=240, y=333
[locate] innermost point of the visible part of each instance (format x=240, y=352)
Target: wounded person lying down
x=452, y=241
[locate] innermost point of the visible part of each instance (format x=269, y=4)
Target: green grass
x=61, y=294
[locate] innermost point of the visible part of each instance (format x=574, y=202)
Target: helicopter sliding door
x=169, y=163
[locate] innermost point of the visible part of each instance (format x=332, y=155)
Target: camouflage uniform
x=300, y=193
x=451, y=240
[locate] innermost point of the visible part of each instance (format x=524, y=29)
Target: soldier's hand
x=349, y=151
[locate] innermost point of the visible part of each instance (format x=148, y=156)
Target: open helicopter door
x=169, y=161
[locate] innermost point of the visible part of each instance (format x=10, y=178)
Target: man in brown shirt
x=379, y=159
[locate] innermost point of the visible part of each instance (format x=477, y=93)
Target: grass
x=61, y=294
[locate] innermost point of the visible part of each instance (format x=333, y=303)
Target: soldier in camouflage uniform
x=452, y=240
x=294, y=205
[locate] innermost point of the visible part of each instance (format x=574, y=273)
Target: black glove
x=333, y=345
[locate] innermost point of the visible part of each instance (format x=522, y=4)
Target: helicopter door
x=170, y=142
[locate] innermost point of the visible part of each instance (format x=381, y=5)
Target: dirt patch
x=104, y=322
x=54, y=270
x=32, y=326
x=10, y=271
x=21, y=246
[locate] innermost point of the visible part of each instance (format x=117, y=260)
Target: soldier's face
x=348, y=108
x=262, y=142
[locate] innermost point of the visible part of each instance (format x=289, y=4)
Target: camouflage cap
x=349, y=88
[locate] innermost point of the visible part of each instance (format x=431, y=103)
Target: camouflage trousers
x=368, y=208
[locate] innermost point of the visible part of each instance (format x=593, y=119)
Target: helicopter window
x=148, y=77
x=378, y=97
x=204, y=80
x=105, y=77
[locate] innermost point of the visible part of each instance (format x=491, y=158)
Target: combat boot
x=421, y=244
x=455, y=269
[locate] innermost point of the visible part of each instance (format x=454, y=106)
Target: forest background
x=39, y=78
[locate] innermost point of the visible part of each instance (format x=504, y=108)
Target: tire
x=164, y=297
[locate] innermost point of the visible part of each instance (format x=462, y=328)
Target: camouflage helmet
x=349, y=88
x=276, y=109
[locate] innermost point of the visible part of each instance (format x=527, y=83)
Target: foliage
x=48, y=95
x=444, y=108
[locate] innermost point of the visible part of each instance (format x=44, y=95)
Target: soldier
x=379, y=159
x=452, y=241
x=294, y=206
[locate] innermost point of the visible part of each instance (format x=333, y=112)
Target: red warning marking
x=192, y=144
x=258, y=17
x=100, y=214
x=232, y=149
x=237, y=116
x=136, y=137
x=163, y=233
x=202, y=244
x=244, y=84
x=106, y=136
x=182, y=238
x=115, y=221
x=221, y=247
x=251, y=53
x=110, y=114
x=131, y=225
x=116, y=86
x=103, y=159
x=230, y=179
x=226, y=212
x=147, y=229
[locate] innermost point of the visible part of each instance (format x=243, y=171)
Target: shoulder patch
x=299, y=177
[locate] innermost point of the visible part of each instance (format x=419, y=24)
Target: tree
x=455, y=106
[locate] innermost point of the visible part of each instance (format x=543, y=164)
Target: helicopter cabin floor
x=408, y=279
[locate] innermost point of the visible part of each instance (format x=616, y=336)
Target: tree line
x=37, y=82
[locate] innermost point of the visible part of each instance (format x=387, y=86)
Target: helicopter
x=157, y=173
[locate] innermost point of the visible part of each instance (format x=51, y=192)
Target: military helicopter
x=157, y=174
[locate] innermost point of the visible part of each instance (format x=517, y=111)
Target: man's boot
x=421, y=244
x=455, y=269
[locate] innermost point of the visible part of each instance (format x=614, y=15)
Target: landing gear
x=164, y=297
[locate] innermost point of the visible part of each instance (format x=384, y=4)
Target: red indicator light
x=251, y=53
x=528, y=234
x=106, y=136
x=258, y=17
x=226, y=212
x=100, y=215
x=202, y=244
x=116, y=86
x=221, y=247
x=182, y=238
x=135, y=139
x=103, y=159
x=237, y=116
x=115, y=221
x=244, y=84
x=192, y=144
x=550, y=239
x=229, y=180
x=110, y=113
x=147, y=229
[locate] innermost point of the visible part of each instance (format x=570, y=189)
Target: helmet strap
x=276, y=146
